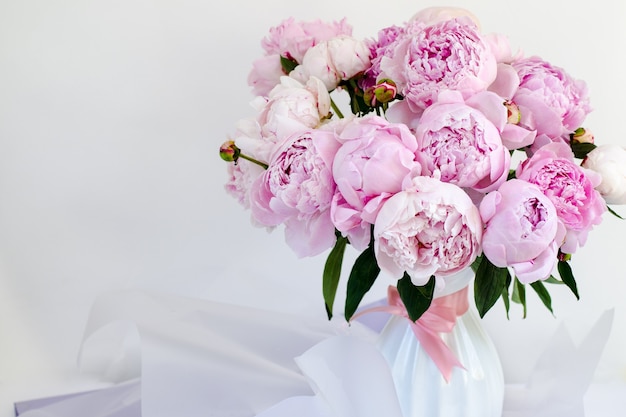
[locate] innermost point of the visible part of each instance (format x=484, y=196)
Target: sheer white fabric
x=199, y=358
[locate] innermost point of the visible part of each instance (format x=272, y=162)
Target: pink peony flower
x=332, y=61
x=374, y=159
x=543, y=140
x=515, y=135
x=610, y=162
x=430, y=228
x=381, y=46
x=241, y=175
x=522, y=230
x=570, y=188
x=239, y=182
x=550, y=100
x=297, y=189
x=307, y=104
x=501, y=47
x=451, y=54
x=290, y=39
x=293, y=39
x=459, y=142
x=265, y=74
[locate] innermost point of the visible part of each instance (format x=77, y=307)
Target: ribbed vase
x=475, y=391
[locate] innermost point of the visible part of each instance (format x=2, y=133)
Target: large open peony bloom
x=460, y=141
x=450, y=54
x=570, y=187
x=551, y=101
x=522, y=230
x=374, y=159
x=297, y=189
x=430, y=228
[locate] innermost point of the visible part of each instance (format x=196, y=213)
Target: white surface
x=111, y=113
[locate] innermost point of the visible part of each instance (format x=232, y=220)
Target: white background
x=111, y=115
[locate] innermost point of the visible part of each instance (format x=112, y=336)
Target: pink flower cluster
x=426, y=179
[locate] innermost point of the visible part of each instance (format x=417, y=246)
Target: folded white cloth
x=350, y=378
x=202, y=358
x=555, y=388
x=198, y=355
x=122, y=400
x=562, y=375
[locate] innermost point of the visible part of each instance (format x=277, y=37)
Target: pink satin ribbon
x=439, y=318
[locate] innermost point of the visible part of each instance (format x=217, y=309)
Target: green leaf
x=613, y=212
x=519, y=294
x=476, y=263
x=565, y=270
x=358, y=106
x=543, y=294
x=332, y=273
x=287, y=64
x=488, y=285
x=511, y=175
x=552, y=280
x=362, y=276
x=581, y=149
x=416, y=299
x=505, y=295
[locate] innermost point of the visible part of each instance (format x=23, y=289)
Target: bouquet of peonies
x=456, y=152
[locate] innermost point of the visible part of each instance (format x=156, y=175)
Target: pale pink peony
x=570, y=187
x=522, y=230
x=451, y=54
x=265, y=74
x=297, y=189
x=334, y=60
x=374, y=159
x=293, y=39
x=610, y=162
x=290, y=39
x=459, y=142
x=242, y=174
x=551, y=101
x=430, y=228
x=307, y=104
x=501, y=48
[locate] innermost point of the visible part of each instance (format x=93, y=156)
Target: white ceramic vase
x=476, y=391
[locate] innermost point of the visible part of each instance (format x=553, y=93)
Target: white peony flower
x=610, y=162
x=332, y=61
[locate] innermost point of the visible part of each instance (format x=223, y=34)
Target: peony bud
x=229, y=152
x=383, y=92
x=514, y=116
x=582, y=135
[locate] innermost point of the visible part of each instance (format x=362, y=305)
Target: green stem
x=336, y=109
x=259, y=163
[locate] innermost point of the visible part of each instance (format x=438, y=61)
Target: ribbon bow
x=439, y=318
